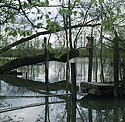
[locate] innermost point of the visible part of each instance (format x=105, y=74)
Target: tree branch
x=22, y=40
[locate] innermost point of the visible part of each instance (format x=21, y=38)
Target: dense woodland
x=35, y=31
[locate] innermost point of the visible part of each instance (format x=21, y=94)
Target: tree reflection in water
x=104, y=109
x=87, y=110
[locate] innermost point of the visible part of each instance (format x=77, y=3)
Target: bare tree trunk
x=67, y=46
x=96, y=63
x=90, y=40
x=116, y=67
x=69, y=23
x=101, y=54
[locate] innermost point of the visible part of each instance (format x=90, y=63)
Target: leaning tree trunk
x=22, y=40
x=19, y=62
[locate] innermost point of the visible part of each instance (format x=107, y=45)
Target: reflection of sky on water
x=36, y=72
x=57, y=71
x=37, y=114
x=9, y=90
x=56, y=111
x=28, y=114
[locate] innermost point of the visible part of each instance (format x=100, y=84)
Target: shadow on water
x=105, y=109
x=57, y=108
x=22, y=102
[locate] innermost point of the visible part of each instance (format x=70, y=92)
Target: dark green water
x=55, y=108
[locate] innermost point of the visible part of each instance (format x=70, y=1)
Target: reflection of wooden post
x=68, y=109
x=90, y=49
x=116, y=111
x=73, y=80
x=73, y=108
x=123, y=114
x=46, y=62
x=96, y=69
x=116, y=69
x=90, y=115
x=122, y=83
x=46, y=109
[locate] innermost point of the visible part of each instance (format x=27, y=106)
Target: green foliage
x=93, y=1
x=59, y=53
x=75, y=13
x=101, y=1
x=1, y=36
x=48, y=46
x=68, y=12
x=78, y=1
x=106, y=25
x=39, y=24
x=40, y=17
x=12, y=32
x=62, y=11
x=6, y=29
x=46, y=2
x=25, y=4
x=45, y=18
x=53, y=26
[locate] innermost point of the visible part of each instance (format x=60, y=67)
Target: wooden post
x=74, y=95
x=46, y=62
x=90, y=49
x=73, y=80
x=116, y=68
x=26, y=75
x=46, y=79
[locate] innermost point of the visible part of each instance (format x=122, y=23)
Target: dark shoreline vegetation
x=58, y=51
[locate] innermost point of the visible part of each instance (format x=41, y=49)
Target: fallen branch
x=19, y=62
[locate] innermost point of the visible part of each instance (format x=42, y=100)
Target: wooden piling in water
x=73, y=80
x=26, y=75
x=90, y=49
x=74, y=95
x=46, y=63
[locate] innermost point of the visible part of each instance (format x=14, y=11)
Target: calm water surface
x=57, y=71
x=57, y=109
